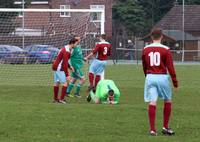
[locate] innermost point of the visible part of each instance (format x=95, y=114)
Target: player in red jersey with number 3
x=102, y=51
x=157, y=62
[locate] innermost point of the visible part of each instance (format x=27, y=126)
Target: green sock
x=78, y=88
x=69, y=88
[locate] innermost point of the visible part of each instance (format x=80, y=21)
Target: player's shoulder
x=157, y=45
x=77, y=46
x=61, y=50
x=66, y=48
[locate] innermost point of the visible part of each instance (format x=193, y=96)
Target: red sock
x=55, y=90
x=91, y=78
x=63, y=92
x=166, y=113
x=98, y=77
x=152, y=117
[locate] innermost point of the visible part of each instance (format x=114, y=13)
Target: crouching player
x=60, y=68
x=106, y=93
x=76, y=61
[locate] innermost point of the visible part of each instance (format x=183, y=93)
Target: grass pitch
x=27, y=113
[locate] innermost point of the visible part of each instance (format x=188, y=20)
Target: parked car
x=10, y=54
x=41, y=53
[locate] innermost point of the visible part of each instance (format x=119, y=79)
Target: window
x=95, y=16
x=64, y=14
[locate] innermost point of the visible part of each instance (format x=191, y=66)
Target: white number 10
x=154, y=58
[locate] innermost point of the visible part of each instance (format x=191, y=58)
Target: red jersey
x=102, y=50
x=157, y=59
x=61, y=62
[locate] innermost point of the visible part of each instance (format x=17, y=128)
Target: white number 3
x=105, y=50
x=154, y=58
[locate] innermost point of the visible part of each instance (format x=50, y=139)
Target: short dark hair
x=73, y=41
x=103, y=36
x=156, y=33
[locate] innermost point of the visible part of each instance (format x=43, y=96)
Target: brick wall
x=85, y=4
x=35, y=20
x=62, y=24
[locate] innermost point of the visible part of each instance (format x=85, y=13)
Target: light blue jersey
x=157, y=85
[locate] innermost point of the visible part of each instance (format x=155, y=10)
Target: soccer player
x=76, y=61
x=102, y=51
x=106, y=93
x=157, y=61
x=60, y=68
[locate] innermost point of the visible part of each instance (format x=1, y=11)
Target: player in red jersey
x=102, y=51
x=157, y=61
x=60, y=68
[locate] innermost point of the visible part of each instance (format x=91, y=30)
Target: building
x=66, y=21
x=173, y=20
x=56, y=28
x=172, y=24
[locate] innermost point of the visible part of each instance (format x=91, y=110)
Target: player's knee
x=152, y=103
x=65, y=84
x=83, y=80
x=68, y=78
x=73, y=80
x=56, y=84
x=167, y=101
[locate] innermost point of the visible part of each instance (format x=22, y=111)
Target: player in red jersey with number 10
x=157, y=61
x=102, y=51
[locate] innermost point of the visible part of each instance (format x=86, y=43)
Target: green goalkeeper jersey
x=76, y=58
x=102, y=91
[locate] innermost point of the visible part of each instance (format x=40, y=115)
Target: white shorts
x=157, y=85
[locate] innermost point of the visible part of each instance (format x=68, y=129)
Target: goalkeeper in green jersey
x=76, y=61
x=106, y=93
